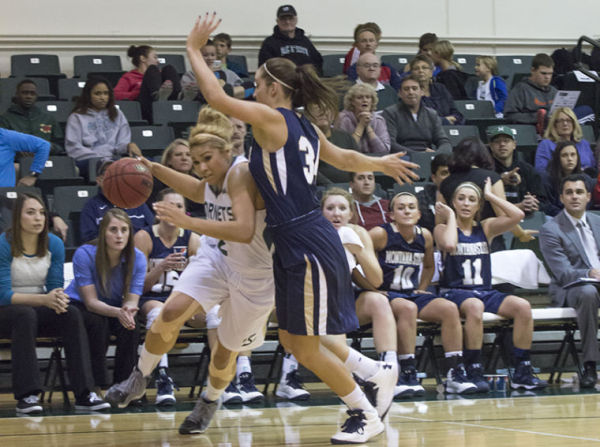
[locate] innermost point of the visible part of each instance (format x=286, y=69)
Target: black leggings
x=153, y=79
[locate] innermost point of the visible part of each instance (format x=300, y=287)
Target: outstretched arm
x=353, y=161
x=511, y=216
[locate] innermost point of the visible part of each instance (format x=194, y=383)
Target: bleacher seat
x=467, y=62
x=60, y=110
x=333, y=65
x=152, y=140
x=239, y=60
x=398, y=61
x=457, y=133
x=423, y=159
x=58, y=171
x=526, y=139
x=588, y=134
x=68, y=203
x=34, y=65
x=178, y=114
x=475, y=109
x=508, y=66
x=413, y=188
x=9, y=85
x=69, y=89
x=101, y=65
x=176, y=60
x=132, y=111
x=587, y=88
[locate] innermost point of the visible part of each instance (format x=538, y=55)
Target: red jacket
x=129, y=86
x=373, y=215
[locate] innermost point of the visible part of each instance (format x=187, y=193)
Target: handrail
x=578, y=63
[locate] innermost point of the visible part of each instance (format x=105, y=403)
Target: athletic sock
x=212, y=393
x=243, y=365
x=164, y=361
x=360, y=364
x=521, y=354
x=407, y=361
x=472, y=356
x=147, y=361
x=453, y=359
x=357, y=400
x=388, y=357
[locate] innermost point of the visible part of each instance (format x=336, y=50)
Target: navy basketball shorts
x=313, y=289
x=492, y=299
x=420, y=299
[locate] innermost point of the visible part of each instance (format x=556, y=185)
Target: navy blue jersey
x=400, y=261
x=469, y=266
x=165, y=283
x=287, y=178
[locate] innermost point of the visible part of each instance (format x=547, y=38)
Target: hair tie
x=469, y=185
x=210, y=135
x=276, y=78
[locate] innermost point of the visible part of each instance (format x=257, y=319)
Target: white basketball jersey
x=245, y=258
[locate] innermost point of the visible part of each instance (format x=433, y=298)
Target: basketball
x=127, y=183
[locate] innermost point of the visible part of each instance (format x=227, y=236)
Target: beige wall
x=69, y=27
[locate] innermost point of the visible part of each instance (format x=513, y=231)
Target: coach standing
x=570, y=248
x=12, y=142
x=290, y=42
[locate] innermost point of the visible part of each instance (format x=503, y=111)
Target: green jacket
x=34, y=122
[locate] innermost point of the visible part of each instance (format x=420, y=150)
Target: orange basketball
x=127, y=183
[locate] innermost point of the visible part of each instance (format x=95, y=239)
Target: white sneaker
x=458, y=383
x=379, y=388
x=231, y=395
x=358, y=428
x=248, y=389
x=291, y=387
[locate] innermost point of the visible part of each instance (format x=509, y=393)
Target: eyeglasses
x=564, y=121
x=374, y=65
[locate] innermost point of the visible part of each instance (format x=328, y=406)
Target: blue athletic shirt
x=287, y=178
x=469, y=266
x=400, y=261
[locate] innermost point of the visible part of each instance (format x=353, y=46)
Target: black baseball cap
x=286, y=10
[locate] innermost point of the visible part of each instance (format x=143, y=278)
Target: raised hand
x=203, y=28
x=443, y=211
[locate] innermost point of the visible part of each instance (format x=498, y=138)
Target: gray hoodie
x=525, y=99
x=93, y=134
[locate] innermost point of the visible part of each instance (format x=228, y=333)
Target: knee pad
x=169, y=330
x=152, y=316
x=213, y=320
x=226, y=373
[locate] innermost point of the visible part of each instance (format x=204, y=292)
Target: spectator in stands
x=522, y=184
x=290, y=42
x=96, y=128
x=12, y=142
x=33, y=303
x=569, y=243
x=435, y=95
x=109, y=279
x=565, y=161
x=25, y=117
x=426, y=42
x=371, y=210
x=359, y=119
x=229, y=80
x=405, y=254
x=363, y=43
x=490, y=87
x=223, y=44
x=463, y=238
x=166, y=248
x=369, y=38
x=147, y=82
x=368, y=70
x=96, y=207
x=471, y=162
x=327, y=173
x=238, y=139
x=427, y=196
x=563, y=126
x=451, y=74
x=412, y=126
x=532, y=95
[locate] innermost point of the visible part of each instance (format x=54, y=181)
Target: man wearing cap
x=289, y=41
x=522, y=184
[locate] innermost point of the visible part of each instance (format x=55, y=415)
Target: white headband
x=275, y=78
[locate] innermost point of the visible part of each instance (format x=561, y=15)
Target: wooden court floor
x=540, y=420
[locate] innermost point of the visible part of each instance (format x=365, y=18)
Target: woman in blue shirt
x=32, y=303
x=104, y=269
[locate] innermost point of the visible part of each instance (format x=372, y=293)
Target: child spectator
x=147, y=83
x=33, y=303
x=96, y=128
x=491, y=87
x=109, y=279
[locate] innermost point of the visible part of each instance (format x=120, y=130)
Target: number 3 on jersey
x=311, y=161
x=472, y=276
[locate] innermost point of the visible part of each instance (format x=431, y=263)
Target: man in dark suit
x=568, y=243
